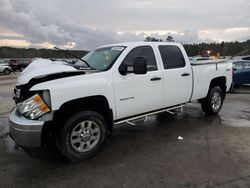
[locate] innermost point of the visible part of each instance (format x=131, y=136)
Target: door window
x=171, y=57
x=238, y=66
x=143, y=51
x=247, y=65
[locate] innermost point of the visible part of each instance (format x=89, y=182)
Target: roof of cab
x=141, y=44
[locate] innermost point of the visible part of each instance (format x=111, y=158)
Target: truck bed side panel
x=205, y=73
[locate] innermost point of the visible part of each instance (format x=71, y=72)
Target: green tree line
x=222, y=49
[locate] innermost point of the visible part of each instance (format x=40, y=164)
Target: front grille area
x=22, y=93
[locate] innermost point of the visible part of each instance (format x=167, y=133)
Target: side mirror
x=140, y=65
x=234, y=69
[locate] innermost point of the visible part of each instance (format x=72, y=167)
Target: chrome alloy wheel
x=85, y=136
x=216, y=101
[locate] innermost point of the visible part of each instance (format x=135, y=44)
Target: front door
x=136, y=94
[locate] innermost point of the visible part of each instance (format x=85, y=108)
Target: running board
x=150, y=114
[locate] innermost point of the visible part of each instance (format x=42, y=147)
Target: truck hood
x=42, y=68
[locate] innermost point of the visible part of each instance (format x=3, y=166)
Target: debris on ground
x=180, y=138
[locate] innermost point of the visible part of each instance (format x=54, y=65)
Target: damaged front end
x=22, y=92
x=29, y=120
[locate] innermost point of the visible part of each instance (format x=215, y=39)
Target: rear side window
x=171, y=57
x=246, y=58
x=238, y=66
x=247, y=65
x=143, y=51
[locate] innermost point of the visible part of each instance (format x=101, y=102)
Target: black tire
x=211, y=106
x=65, y=143
x=6, y=71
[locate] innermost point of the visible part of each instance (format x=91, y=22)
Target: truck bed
x=205, y=71
x=214, y=61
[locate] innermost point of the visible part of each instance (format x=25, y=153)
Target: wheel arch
x=8, y=69
x=98, y=103
x=219, y=81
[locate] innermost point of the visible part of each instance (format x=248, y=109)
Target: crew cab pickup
x=78, y=104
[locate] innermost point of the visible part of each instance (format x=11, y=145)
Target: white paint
x=42, y=67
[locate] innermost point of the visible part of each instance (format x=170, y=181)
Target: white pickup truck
x=78, y=104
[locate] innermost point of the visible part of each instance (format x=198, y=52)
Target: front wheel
x=82, y=135
x=212, y=104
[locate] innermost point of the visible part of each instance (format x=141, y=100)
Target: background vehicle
x=241, y=72
x=4, y=62
x=78, y=105
x=19, y=64
x=4, y=68
x=246, y=58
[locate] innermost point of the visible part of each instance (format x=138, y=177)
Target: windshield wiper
x=74, y=57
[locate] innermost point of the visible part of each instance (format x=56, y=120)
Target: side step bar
x=150, y=114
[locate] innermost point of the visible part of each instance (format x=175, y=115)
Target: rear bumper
x=25, y=132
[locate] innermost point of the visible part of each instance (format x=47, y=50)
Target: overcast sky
x=86, y=24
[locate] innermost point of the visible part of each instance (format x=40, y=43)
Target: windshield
x=101, y=58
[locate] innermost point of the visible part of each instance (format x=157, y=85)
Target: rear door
x=177, y=76
x=136, y=94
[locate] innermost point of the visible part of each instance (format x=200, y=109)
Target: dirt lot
x=214, y=152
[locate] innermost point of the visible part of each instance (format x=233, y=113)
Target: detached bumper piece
x=25, y=132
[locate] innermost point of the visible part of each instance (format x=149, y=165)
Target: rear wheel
x=212, y=104
x=6, y=71
x=82, y=135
